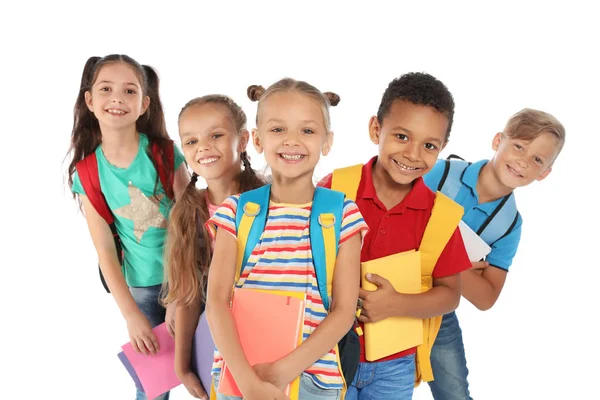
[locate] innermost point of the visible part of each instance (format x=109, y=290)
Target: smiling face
x=410, y=139
x=292, y=133
x=116, y=97
x=211, y=143
x=519, y=162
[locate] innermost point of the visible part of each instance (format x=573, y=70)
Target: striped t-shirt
x=282, y=260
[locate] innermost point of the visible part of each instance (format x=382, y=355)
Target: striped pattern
x=282, y=260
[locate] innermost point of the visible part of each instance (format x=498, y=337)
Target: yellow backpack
x=445, y=216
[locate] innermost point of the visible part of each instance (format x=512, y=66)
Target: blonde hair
x=327, y=99
x=528, y=124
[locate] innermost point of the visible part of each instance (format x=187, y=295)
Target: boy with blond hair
x=524, y=152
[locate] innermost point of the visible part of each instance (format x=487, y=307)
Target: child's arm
x=186, y=321
x=221, y=278
x=482, y=287
x=385, y=302
x=346, y=281
x=482, y=284
x=140, y=331
x=443, y=297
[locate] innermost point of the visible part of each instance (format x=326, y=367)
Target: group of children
x=172, y=250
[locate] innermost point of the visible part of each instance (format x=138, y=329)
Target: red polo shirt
x=401, y=229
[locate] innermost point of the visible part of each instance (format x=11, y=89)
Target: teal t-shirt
x=140, y=218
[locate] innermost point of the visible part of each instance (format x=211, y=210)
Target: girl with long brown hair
x=214, y=139
x=119, y=120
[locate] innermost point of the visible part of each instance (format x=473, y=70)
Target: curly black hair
x=418, y=88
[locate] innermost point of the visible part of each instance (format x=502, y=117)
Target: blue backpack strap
x=451, y=181
x=325, y=201
x=504, y=217
x=261, y=197
x=500, y=222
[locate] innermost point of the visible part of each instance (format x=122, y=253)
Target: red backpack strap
x=166, y=181
x=90, y=180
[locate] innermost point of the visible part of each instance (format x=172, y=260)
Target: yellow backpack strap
x=249, y=213
x=347, y=180
x=213, y=392
x=327, y=227
x=445, y=216
x=327, y=222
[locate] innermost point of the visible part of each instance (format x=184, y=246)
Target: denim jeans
x=394, y=379
x=449, y=363
x=308, y=390
x=146, y=299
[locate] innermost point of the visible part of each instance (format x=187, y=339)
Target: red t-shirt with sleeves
x=401, y=229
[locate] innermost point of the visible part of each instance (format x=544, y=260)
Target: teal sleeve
x=77, y=188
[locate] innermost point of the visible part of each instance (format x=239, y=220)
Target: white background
x=61, y=332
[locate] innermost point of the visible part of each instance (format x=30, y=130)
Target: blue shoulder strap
x=451, y=181
x=261, y=197
x=325, y=201
x=500, y=222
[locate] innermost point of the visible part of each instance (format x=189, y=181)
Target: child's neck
x=388, y=191
x=292, y=191
x=489, y=188
x=220, y=189
x=120, y=147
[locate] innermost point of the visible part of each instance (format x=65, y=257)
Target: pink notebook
x=156, y=373
x=269, y=325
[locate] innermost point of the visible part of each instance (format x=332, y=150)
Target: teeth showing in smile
x=405, y=167
x=292, y=157
x=514, y=172
x=205, y=161
x=115, y=111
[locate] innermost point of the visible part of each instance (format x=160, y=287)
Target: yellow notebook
x=394, y=334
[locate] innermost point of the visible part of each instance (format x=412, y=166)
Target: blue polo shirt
x=461, y=185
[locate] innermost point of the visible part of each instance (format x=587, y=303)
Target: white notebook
x=476, y=247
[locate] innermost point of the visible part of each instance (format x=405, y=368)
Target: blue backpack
x=492, y=229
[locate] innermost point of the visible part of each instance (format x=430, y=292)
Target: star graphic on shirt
x=144, y=211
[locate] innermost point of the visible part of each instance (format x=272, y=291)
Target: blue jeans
x=384, y=380
x=146, y=299
x=308, y=390
x=449, y=363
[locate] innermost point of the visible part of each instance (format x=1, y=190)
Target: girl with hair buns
x=214, y=138
x=119, y=120
x=292, y=130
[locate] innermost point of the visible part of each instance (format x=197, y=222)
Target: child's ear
x=145, y=104
x=256, y=141
x=243, y=143
x=88, y=101
x=327, y=144
x=544, y=174
x=496, y=141
x=374, y=129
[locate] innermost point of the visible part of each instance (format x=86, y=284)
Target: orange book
x=269, y=325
